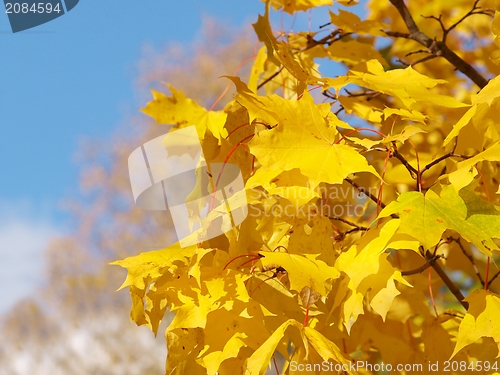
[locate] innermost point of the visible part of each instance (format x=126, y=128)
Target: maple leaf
x=182, y=112
x=351, y=23
x=466, y=172
x=353, y=52
x=480, y=321
x=367, y=268
x=147, y=268
x=426, y=217
x=237, y=298
x=372, y=75
x=280, y=53
x=303, y=139
x=303, y=271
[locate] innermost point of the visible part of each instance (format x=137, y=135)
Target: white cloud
x=23, y=237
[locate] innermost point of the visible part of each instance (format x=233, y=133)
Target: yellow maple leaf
x=259, y=360
x=303, y=139
x=303, y=270
x=405, y=114
x=416, y=88
x=147, y=267
x=229, y=331
x=481, y=320
x=183, y=346
x=291, y=185
x=353, y=52
x=351, y=23
x=327, y=349
x=280, y=53
x=368, y=269
x=182, y=112
x=466, y=172
x=426, y=217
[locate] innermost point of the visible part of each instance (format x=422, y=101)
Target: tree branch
x=365, y=192
x=469, y=256
x=359, y=227
x=447, y=281
x=493, y=278
x=438, y=48
x=270, y=78
x=440, y=159
x=421, y=268
x=408, y=166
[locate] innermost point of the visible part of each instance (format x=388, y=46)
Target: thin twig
x=493, y=278
x=415, y=52
x=469, y=256
x=440, y=159
x=424, y=59
x=475, y=10
x=446, y=280
x=347, y=222
x=438, y=48
x=270, y=78
x=365, y=192
x=408, y=166
x=421, y=268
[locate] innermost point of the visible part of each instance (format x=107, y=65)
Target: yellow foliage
x=370, y=214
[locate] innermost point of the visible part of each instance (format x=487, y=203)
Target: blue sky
x=64, y=80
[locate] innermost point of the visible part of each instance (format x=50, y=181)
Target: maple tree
x=371, y=241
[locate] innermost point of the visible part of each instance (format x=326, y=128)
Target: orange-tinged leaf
x=309, y=297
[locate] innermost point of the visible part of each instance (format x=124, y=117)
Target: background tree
x=373, y=223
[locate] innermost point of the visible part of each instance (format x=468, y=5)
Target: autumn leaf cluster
x=373, y=223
